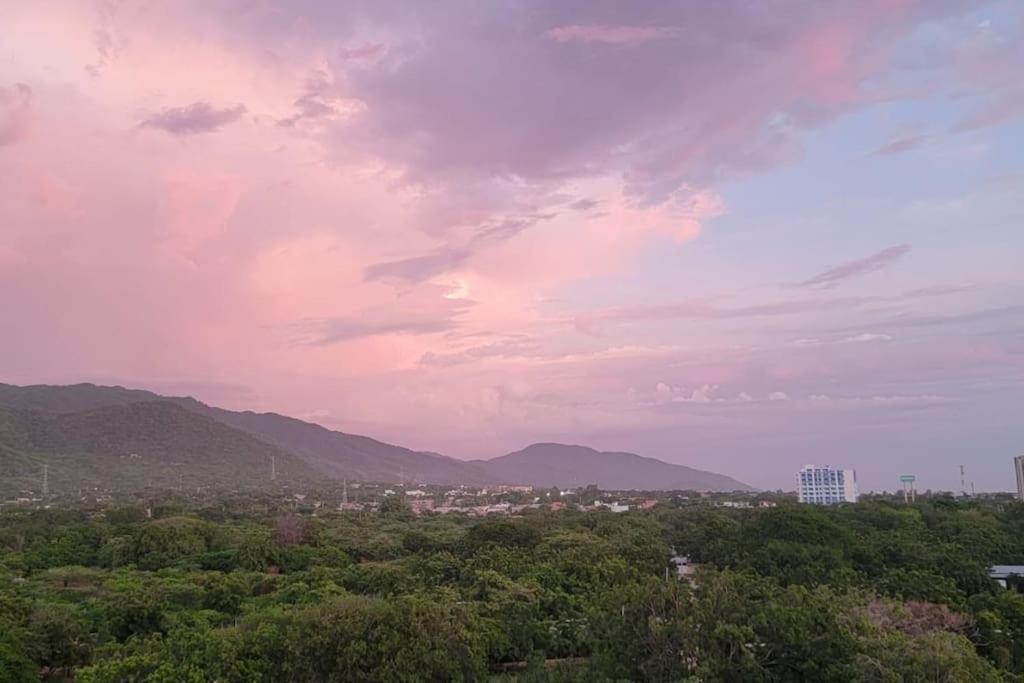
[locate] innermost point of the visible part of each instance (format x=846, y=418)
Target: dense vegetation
x=250, y=590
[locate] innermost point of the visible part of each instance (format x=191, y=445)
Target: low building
x=421, y=505
x=1008, y=575
x=614, y=507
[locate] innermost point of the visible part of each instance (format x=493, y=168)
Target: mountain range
x=114, y=437
x=555, y=464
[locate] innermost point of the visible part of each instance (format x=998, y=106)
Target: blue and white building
x=826, y=485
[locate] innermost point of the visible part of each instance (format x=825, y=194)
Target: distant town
x=817, y=485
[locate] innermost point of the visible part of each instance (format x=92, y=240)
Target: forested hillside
x=134, y=446
x=331, y=454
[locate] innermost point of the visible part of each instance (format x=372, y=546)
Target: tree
x=931, y=658
x=15, y=666
x=292, y=530
x=166, y=541
x=255, y=552
x=395, y=507
x=506, y=533
x=60, y=636
x=641, y=632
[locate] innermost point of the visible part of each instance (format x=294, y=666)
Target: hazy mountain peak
x=564, y=465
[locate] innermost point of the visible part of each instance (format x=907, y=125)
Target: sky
x=743, y=235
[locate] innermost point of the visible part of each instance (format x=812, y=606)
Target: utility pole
x=344, y=492
x=46, y=480
x=273, y=468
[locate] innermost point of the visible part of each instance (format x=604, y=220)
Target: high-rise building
x=1018, y=464
x=826, y=485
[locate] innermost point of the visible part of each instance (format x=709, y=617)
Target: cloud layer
x=465, y=228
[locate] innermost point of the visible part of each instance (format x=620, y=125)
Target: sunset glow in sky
x=738, y=235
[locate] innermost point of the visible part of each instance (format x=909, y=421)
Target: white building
x=685, y=569
x=1018, y=464
x=826, y=485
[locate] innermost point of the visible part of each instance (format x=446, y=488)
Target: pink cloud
x=421, y=312
x=15, y=113
x=198, y=117
x=902, y=145
x=197, y=207
x=612, y=35
x=993, y=113
x=362, y=52
x=857, y=267
x=488, y=230
x=725, y=105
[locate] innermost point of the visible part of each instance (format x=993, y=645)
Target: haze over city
x=737, y=236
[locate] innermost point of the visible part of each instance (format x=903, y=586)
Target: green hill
x=134, y=446
x=332, y=454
